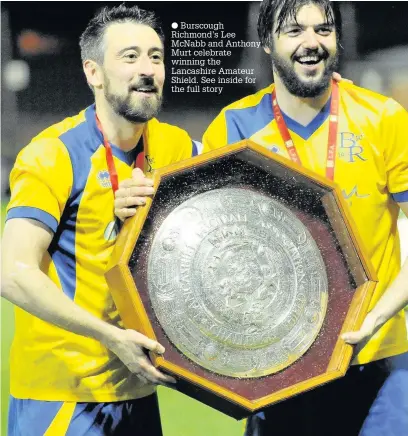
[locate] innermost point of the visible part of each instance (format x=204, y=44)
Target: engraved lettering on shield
x=237, y=282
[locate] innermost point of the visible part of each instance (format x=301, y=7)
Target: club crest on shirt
x=350, y=149
x=111, y=231
x=104, y=179
x=149, y=163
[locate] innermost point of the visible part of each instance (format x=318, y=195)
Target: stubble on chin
x=134, y=112
x=308, y=88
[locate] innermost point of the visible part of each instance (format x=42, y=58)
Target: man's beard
x=144, y=110
x=294, y=84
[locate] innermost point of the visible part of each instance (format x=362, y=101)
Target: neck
x=302, y=110
x=117, y=130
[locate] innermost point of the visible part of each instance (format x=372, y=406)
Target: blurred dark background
x=43, y=82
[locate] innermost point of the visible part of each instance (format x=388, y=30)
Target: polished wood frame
x=134, y=316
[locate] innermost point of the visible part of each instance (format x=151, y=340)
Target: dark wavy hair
x=279, y=11
x=91, y=40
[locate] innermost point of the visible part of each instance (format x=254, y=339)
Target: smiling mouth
x=309, y=60
x=145, y=90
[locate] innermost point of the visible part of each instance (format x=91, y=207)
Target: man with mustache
x=74, y=369
x=298, y=117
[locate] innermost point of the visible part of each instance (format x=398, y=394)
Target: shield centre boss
x=237, y=282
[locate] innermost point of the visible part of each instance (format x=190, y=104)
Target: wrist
x=109, y=335
x=378, y=319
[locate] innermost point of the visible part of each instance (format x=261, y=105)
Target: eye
x=130, y=56
x=157, y=57
x=294, y=31
x=324, y=31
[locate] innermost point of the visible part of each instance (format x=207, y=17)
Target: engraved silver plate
x=237, y=282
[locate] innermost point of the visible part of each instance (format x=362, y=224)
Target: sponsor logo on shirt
x=350, y=150
x=104, y=179
x=353, y=194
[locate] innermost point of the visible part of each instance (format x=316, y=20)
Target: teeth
x=309, y=59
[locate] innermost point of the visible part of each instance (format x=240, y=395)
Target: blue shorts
x=389, y=413
x=54, y=418
x=370, y=400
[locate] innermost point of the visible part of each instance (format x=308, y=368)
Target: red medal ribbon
x=140, y=160
x=139, y=163
x=332, y=138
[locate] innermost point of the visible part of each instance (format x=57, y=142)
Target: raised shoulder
x=250, y=100
x=58, y=129
x=44, y=154
x=366, y=98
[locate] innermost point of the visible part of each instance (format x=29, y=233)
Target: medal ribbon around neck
x=332, y=137
x=113, y=175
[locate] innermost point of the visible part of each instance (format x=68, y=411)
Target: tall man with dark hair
x=296, y=117
x=74, y=369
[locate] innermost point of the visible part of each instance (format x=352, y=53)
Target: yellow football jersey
x=371, y=169
x=61, y=179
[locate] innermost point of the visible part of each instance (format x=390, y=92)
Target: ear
x=93, y=73
x=267, y=50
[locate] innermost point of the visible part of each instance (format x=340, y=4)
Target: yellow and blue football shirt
x=61, y=179
x=371, y=169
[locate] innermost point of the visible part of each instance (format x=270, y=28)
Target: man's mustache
x=320, y=53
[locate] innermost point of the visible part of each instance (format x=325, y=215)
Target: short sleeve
x=41, y=182
x=216, y=134
x=394, y=135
